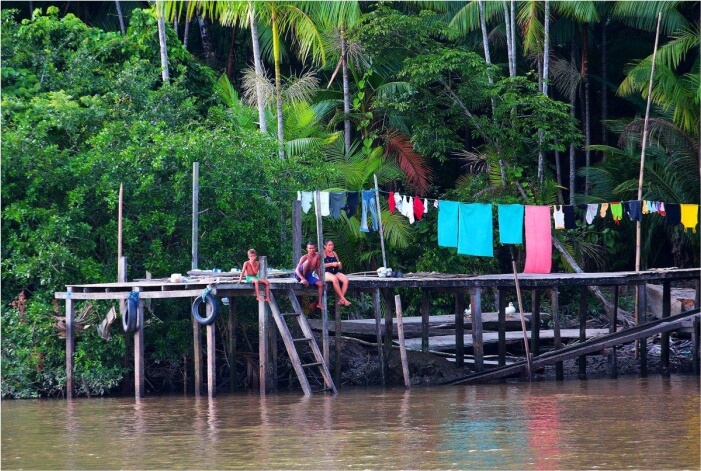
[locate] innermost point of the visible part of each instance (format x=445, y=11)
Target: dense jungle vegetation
x=516, y=101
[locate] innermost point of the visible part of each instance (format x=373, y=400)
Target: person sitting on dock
x=305, y=272
x=250, y=269
x=332, y=269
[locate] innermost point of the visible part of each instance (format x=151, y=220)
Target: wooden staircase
x=307, y=339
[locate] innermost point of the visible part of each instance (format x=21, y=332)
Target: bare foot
x=258, y=298
x=267, y=300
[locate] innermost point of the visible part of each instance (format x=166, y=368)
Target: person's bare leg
x=334, y=282
x=255, y=288
x=267, y=289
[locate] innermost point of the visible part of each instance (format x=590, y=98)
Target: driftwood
x=79, y=322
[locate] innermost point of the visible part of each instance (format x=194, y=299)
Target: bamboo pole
x=379, y=218
x=322, y=302
x=523, y=321
x=638, y=224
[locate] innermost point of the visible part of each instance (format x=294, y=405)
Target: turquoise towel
x=510, y=223
x=475, y=235
x=447, y=223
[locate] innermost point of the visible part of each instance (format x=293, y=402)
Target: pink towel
x=539, y=248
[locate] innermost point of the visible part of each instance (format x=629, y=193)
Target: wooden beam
x=378, y=326
x=501, y=320
x=232, y=321
x=555, y=303
x=535, y=322
x=642, y=343
x=337, y=341
x=477, y=340
x=425, y=315
x=583, y=329
x=460, y=329
x=196, y=354
x=263, y=348
x=139, y=374
x=211, y=360
x=664, y=337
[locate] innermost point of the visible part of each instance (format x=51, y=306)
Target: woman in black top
x=332, y=267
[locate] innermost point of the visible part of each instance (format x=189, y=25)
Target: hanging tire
x=210, y=309
x=130, y=314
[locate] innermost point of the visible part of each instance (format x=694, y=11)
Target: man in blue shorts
x=305, y=272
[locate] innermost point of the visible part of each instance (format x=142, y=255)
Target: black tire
x=131, y=314
x=211, y=309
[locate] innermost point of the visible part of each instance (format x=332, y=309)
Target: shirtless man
x=305, y=272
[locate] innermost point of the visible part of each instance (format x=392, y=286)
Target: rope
x=134, y=296
x=206, y=292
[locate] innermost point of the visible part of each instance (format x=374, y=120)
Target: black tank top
x=328, y=260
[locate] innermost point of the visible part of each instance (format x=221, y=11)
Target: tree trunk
x=485, y=37
x=186, y=33
x=558, y=177
x=258, y=65
x=604, y=87
x=509, y=39
x=120, y=15
x=573, y=152
x=513, y=36
x=165, y=74
x=346, y=92
x=546, y=70
x=278, y=86
x=587, y=115
x=230, y=60
x=209, y=55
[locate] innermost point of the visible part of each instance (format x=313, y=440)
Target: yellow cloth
x=645, y=210
x=690, y=216
x=604, y=208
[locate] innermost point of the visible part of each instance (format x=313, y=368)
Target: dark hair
x=253, y=251
x=326, y=242
x=311, y=243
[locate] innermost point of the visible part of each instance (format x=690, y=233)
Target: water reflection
x=610, y=424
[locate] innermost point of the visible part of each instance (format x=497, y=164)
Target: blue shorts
x=309, y=277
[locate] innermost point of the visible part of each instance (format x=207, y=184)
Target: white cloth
x=398, y=202
x=324, y=206
x=410, y=210
x=592, y=209
x=425, y=205
x=559, y=217
x=306, y=198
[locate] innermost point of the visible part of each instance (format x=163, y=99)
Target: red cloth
x=391, y=202
x=418, y=208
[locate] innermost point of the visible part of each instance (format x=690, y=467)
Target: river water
x=636, y=423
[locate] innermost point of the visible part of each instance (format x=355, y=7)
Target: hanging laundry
x=673, y=214
x=559, y=217
x=510, y=217
x=617, y=212
x=368, y=205
x=337, y=200
x=398, y=202
x=306, y=198
x=644, y=207
x=418, y=208
x=604, y=208
x=435, y=204
x=409, y=210
x=448, y=224
x=476, y=231
x=570, y=217
x=660, y=208
x=539, y=247
x=324, y=208
x=633, y=210
x=391, y=203
x=352, y=198
x=690, y=216
x=592, y=209
x=425, y=205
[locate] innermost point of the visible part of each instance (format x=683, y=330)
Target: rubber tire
x=130, y=315
x=210, y=309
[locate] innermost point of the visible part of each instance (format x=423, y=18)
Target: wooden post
x=642, y=302
x=197, y=354
x=139, y=377
x=695, y=334
x=460, y=328
x=613, y=323
x=583, y=330
x=402, y=347
x=425, y=318
x=296, y=232
x=337, y=364
x=264, y=367
x=535, y=322
x=377, y=308
x=70, y=314
x=379, y=219
x=477, y=343
x=389, y=331
x=664, y=337
x=501, y=308
x=232, y=342
x=322, y=302
x=555, y=301
x=271, y=330
x=211, y=361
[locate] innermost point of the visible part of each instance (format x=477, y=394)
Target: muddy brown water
x=628, y=423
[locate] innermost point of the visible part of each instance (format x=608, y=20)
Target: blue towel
x=447, y=223
x=475, y=235
x=510, y=223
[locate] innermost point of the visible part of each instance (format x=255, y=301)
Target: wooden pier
x=461, y=286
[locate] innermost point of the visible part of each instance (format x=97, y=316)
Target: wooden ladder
x=308, y=339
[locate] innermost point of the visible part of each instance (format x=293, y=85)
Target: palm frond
x=643, y=15
x=413, y=165
x=301, y=89
x=249, y=83
x=532, y=29
x=565, y=76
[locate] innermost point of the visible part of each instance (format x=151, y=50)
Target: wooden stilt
x=139, y=377
x=477, y=343
x=211, y=361
x=337, y=361
x=555, y=302
x=296, y=231
x=70, y=314
x=377, y=308
x=535, y=322
x=425, y=306
x=501, y=303
x=613, y=323
x=402, y=347
x=582, y=330
x=389, y=303
x=197, y=354
x=460, y=328
x=232, y=343
x=642, y=295
x=664, y=336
